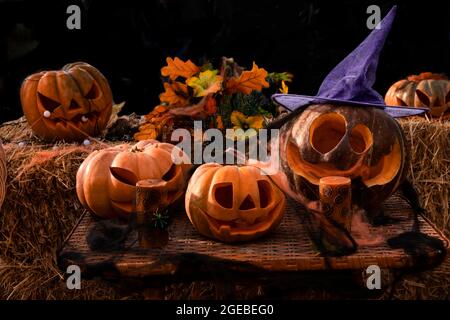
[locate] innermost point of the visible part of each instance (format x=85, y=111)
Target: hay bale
x=429, y=168
x=16, y=131
x=41, y=207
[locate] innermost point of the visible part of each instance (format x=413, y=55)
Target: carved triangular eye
x=48, y=103
x=223, y=194
x=125, y=176
x=170, y=174
x=400, y=102
x=423, y=97
x=93, y=93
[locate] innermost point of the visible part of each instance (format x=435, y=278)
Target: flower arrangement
x=227, y=97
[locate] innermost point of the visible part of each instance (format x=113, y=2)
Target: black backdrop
x=129, y=40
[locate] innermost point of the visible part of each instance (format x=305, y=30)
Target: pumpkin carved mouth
x=88, y=118
x=239, y=227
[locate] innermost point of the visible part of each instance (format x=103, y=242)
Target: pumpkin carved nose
x=247, y=204
x=74, y=105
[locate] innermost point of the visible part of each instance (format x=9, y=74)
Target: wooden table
x=287, y=250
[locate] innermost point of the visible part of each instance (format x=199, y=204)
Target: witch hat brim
x=351, y=81
x=294, y=102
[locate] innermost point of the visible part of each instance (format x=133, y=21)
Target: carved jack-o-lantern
x=106, y=180
x=425, y=90
x=361, y=143
x=69, y=104
x=231, y=203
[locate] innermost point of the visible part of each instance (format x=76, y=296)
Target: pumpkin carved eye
x=169, y=175
x=265, y=193
x=125, y=176
x=327, y=131
x=92, y=93
x=360, y=138
x=223, y=194
x=423, y=97
x=48, y=103
x=400, y=102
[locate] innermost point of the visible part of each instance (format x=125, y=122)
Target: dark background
x=129, y=40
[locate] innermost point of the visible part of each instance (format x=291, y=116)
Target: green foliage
x=252, y=104
x=276, y=77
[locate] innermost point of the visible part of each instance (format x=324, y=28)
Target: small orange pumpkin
x=69, y=104
x=424, y=90
x=231, y=203
x=106, y=180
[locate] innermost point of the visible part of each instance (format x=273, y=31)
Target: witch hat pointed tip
x=391, y=15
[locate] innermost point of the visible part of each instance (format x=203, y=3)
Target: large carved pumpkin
x=425, y=90
x=3, y=175
x=106, y=180
x=69, y=104
x=362, y=143
x=231, y=203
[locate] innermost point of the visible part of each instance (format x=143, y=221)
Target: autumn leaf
x=160, y=109
x=115, y=114
x=178, y=68
x=147, y=131
x=206, y=83
x=248, y=81
x=175, y=95
x=284, y=88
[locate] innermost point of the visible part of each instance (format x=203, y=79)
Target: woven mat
x=288, y=248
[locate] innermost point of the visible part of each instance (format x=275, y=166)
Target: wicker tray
x=288, y=249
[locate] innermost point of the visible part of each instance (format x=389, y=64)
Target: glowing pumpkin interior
x=327, y=134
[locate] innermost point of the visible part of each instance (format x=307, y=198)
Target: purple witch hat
x=351, y=81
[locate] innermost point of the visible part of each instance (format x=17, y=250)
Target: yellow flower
x=284, y=88
x=206, y=83
x=245, y=126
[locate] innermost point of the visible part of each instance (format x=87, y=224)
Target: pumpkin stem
x=427, y=76
x=136, y=149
